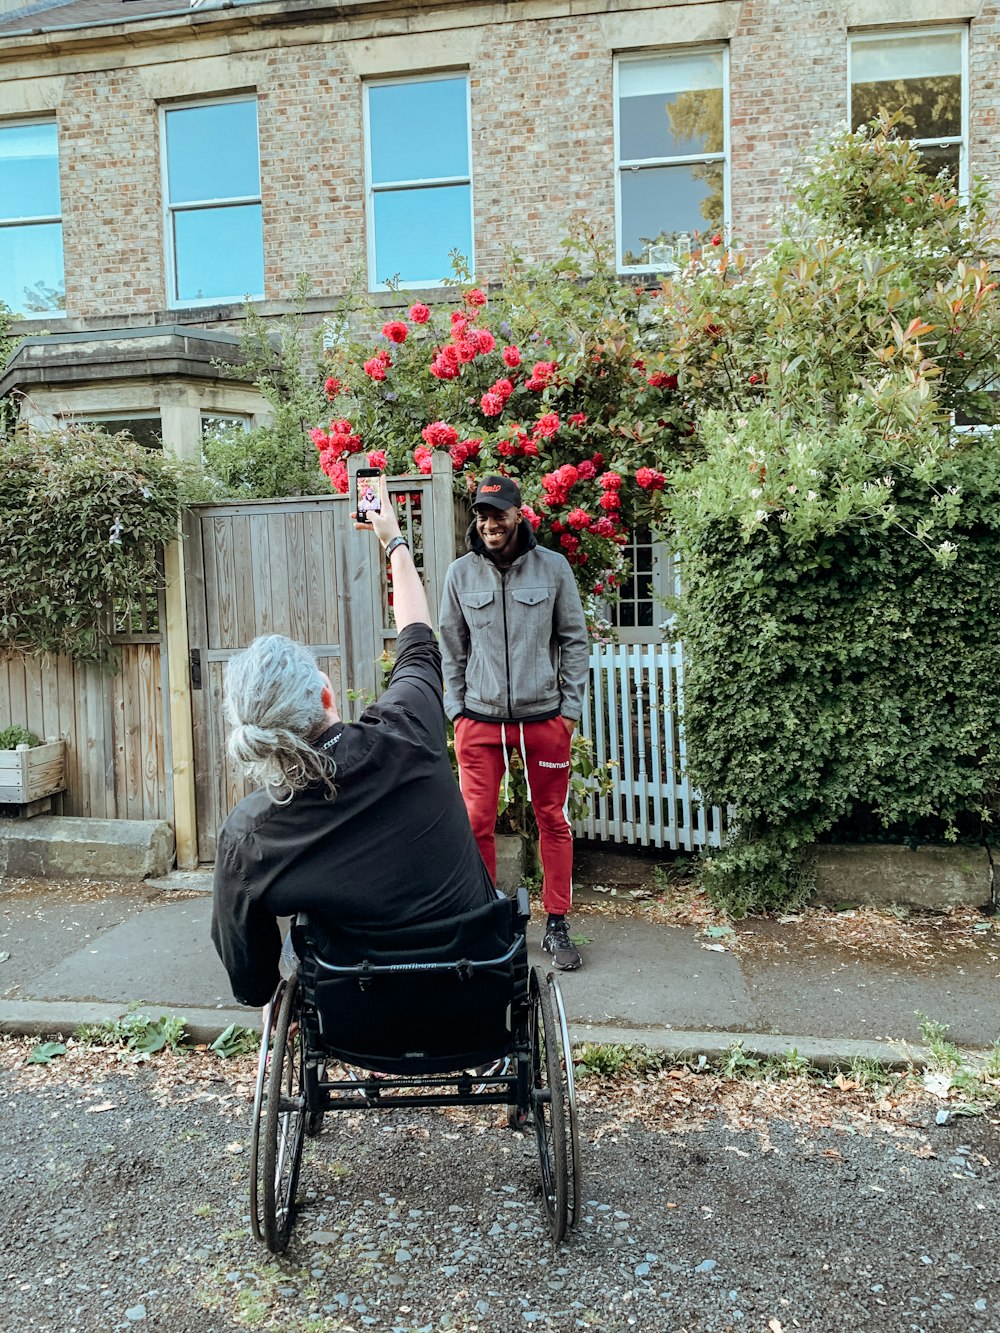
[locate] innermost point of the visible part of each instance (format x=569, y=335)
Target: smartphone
x=367, y=493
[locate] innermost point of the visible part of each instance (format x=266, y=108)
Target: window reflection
x=31, y=246
x=918, y=76
x=419, y=185
x=215, y=218
x=671, y=109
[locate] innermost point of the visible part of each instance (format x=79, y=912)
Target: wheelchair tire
x=284, y=1125
x=569, y=1106
x=548, y=1105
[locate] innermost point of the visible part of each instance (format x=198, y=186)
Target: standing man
x=515, y=654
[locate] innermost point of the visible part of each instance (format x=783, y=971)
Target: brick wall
x=542, y=128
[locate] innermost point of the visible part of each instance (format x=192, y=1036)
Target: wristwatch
x=400, y=540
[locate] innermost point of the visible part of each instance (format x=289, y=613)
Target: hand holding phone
x=367, y=494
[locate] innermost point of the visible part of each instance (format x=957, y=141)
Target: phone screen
x=367, y=496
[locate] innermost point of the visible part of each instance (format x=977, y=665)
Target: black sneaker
x=565, y=954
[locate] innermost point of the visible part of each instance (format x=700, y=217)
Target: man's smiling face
x=497, y=529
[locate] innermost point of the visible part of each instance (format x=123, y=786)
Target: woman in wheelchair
x=358, y=830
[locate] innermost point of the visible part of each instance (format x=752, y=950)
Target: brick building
x=161, y=162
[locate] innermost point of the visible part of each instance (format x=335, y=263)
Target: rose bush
x=546, y=380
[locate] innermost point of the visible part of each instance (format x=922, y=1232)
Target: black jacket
x=394, y=846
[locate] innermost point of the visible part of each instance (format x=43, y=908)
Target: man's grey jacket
x=514, y=643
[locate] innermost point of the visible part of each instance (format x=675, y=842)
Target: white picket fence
x=632, y=716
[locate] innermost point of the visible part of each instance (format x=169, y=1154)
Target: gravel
x=126, y=1208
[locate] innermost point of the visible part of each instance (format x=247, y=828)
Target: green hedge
x=845, y=685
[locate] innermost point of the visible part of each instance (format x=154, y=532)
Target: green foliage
x=839, y=544
x=12, y=737
x=45, y=1052
x=614, y=1060
x=83, y=516
x=235, y=1040
x=138, y=1032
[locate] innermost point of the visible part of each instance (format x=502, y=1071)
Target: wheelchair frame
x=532, y=1076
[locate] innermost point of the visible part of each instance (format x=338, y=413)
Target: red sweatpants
x=480, y=753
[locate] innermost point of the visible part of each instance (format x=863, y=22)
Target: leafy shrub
x=12, y=737
x=840, y=546
x=83, y=516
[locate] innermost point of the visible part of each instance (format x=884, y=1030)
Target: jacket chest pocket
x=478, y=608
x=532, y=603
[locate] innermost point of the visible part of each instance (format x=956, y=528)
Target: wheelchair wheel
x=284, y=1123
x=548, y=1105
x=569, y=1108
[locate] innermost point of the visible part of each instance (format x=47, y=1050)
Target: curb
x=822, y=1052
x=47, y=1018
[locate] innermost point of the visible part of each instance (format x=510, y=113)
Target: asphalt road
x=709, y=1206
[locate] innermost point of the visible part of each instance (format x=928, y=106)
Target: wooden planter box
x=30, y=773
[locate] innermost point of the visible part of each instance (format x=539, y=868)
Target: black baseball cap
x=500, y=492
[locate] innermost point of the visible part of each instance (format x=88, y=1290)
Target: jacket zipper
x=506, y=641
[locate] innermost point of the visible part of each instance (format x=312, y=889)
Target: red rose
x=512, y=357
x=530, y=449
x=502, y=388
x=439, y=435
x=610, y=481
x=459, y=319
x=376, y=458
x=319, y=438
x=716, y=239
x=578, y=419
x=568, y=542
x=491, y=404
x=586, y=470
x=459, y=454
x=610, y=500
x=485, y=341
x=660, y=380
x=332, y=387
x=472, y=447
x=442, y=369
x=649, y=479
x=547, y=426
x=466, y=350
x=533, y=518
x=423, y=456
x=598, y=589
x=419, y=313
x=375, y=368
x=578, y=518
x=476, y=297
x=395, y=331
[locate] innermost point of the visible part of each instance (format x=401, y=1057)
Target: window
x=31, y=249
x=641, y=611
x=922, y=74
x=419, y=183
x=671, y=137
x=214, y=228
x=143, y=427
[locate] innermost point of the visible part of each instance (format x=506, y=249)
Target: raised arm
x=409, y=600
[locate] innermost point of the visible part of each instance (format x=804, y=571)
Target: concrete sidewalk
x=84, y=952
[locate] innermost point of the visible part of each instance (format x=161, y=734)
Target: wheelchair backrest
x=436, y=996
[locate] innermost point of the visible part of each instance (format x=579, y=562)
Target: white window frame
x=190, y=206
x=40, y=219
x=696, y=159
x=663, y=578
x=392, y=186
x=927, y=30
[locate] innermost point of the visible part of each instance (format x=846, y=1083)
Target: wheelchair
x=442, y=1014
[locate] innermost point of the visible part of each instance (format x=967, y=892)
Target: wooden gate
x=297, y=567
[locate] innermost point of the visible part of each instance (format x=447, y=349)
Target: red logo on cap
x=488, y=490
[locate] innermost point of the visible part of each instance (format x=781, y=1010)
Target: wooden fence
x=632, y=717
x=117, y=743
